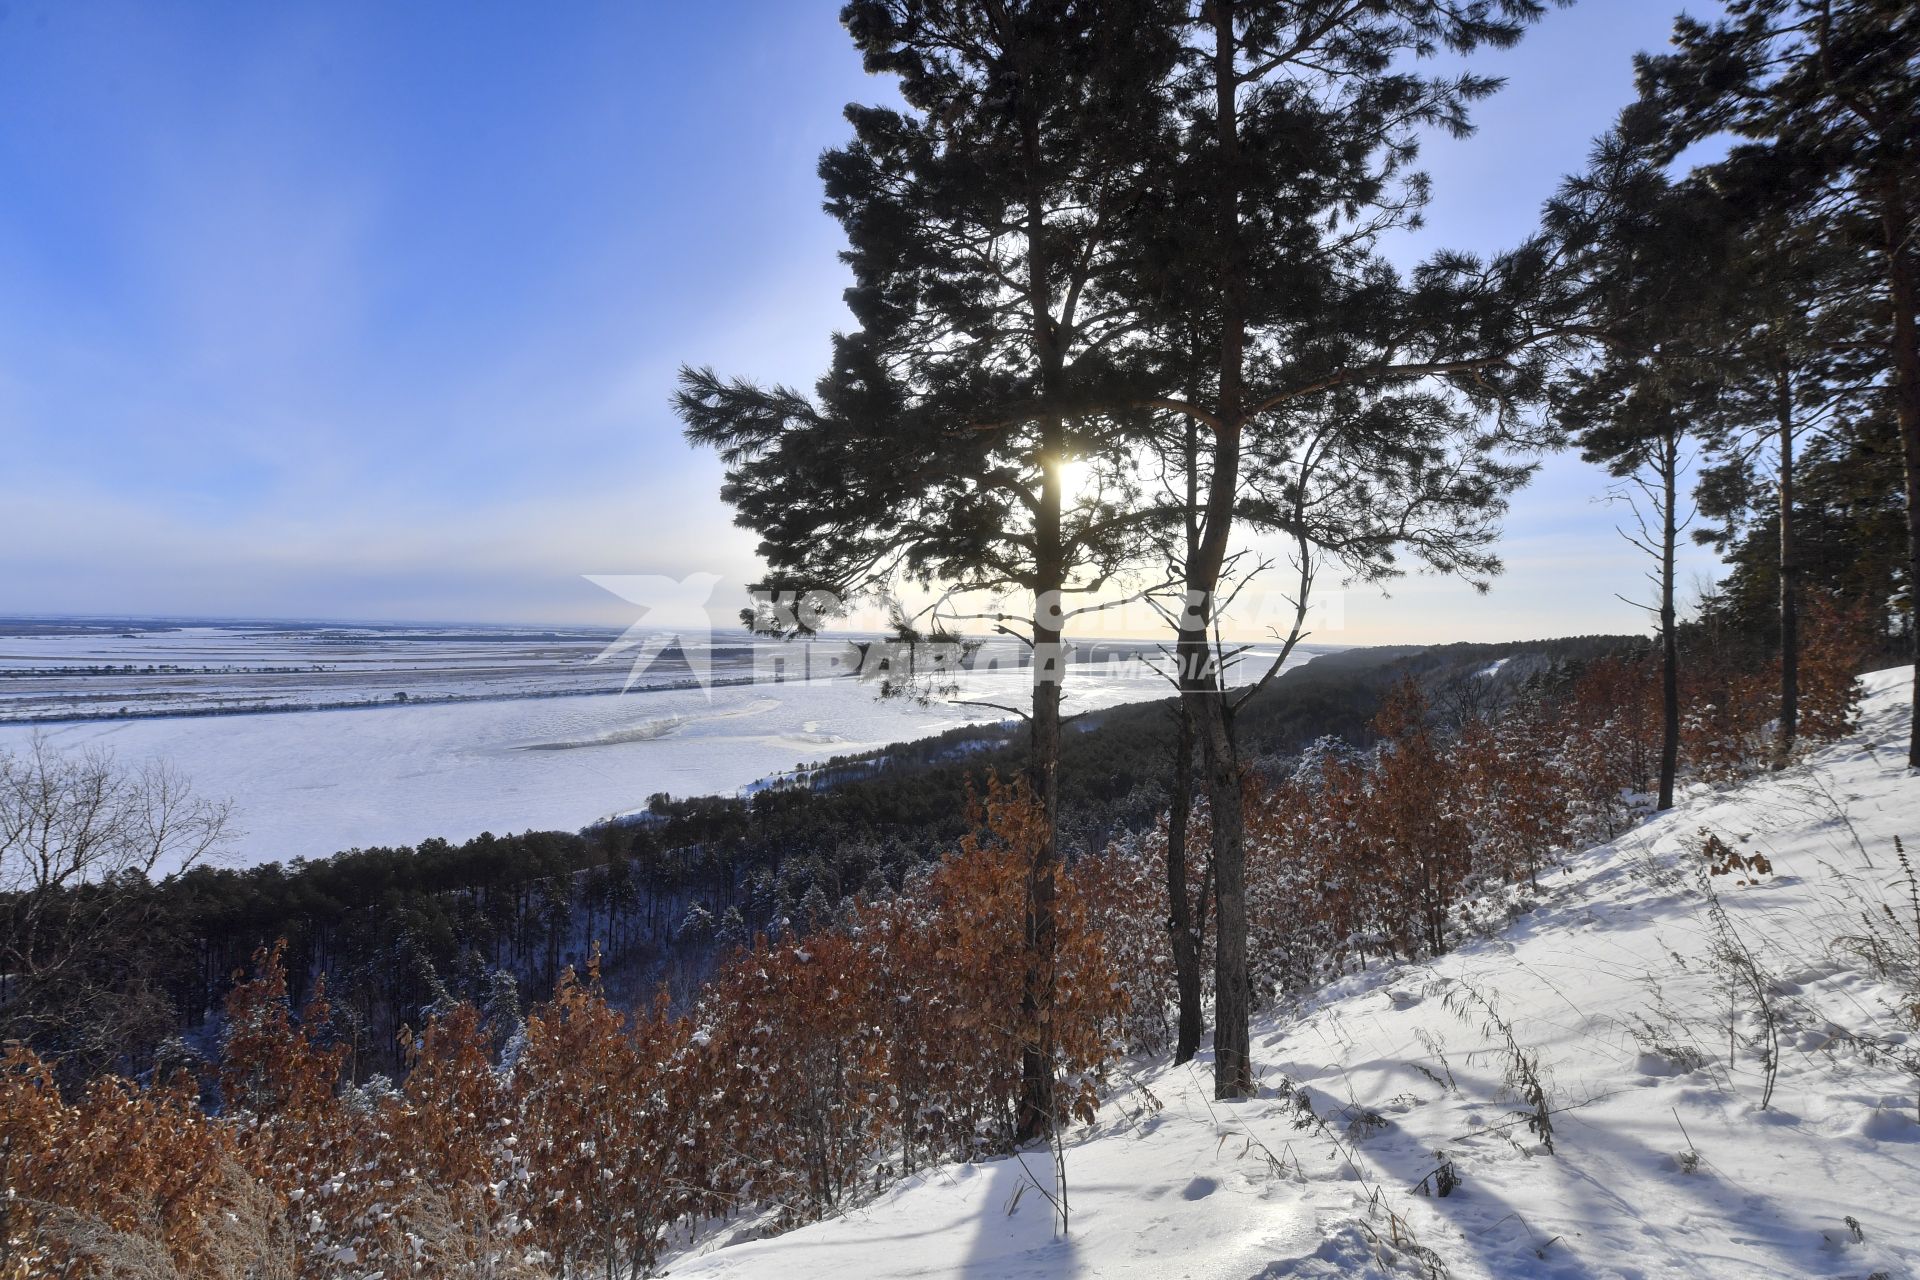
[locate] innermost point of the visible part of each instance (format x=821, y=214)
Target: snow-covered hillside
x=1615, y=994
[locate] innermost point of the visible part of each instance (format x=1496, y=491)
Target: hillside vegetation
x=1691, y=1053
x=814, y=1068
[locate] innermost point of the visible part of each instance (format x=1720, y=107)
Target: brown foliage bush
x=806, y=1065
x=1387, y=856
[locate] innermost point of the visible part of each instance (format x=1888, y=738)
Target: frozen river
x=307, y=783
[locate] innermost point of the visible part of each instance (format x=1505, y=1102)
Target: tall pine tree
x=1292, y=132
x=1793, y=362
x=1656, y=255
x=984, y=224
x=1820, y=95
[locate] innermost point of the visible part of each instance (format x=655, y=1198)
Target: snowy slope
x=1664, y=1164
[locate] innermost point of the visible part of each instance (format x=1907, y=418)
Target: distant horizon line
x=391, y=624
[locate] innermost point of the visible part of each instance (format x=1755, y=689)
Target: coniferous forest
x=1127, y=323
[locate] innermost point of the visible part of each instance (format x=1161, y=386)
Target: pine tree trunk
x=1183, y=935
x=1232, y=987
x=1232, y=1058
x=1205, y=700
x=1789, y=725
x=1036, y=1113
x=1035, y=1116
x=1904, y=292
x=1233, y=1069
x=1181, y=925
x=1669, y=641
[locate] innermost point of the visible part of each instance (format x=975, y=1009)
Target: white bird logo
x=670, y=613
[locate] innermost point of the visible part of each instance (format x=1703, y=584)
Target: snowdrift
x=1657, y=1071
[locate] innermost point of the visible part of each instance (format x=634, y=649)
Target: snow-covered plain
x=61, y=669
x=1664, y=1163
x=502, y=751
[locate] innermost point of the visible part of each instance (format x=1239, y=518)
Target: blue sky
x=372, y=310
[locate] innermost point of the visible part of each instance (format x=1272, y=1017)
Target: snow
x=502, y=751
x=1664, y=1162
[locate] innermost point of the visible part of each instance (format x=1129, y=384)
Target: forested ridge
x=497, y=918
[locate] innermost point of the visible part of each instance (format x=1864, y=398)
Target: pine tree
x=1789, y=370
x=1657, y=254
x=1821, y=95
x=983, y=225
x=1289, y=141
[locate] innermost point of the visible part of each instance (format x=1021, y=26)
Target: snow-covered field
x=1621, y=985
x=63, y=669
x=498, y=752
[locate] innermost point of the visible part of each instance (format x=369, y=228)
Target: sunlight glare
x=1078, y=483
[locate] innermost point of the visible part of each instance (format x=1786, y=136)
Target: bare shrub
x=81, y=835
